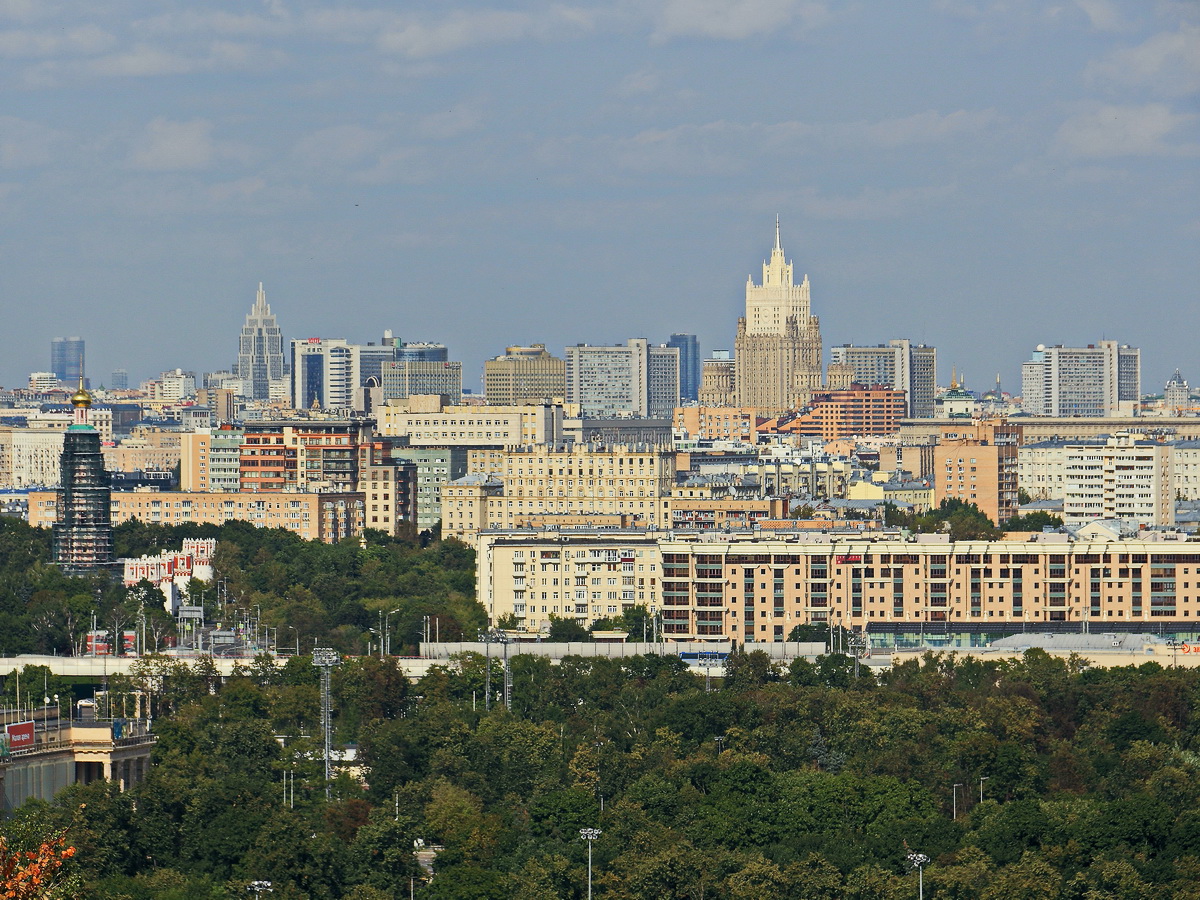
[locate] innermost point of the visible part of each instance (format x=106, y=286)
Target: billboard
x=20, y=736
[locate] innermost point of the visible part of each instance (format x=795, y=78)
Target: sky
x=979, y=175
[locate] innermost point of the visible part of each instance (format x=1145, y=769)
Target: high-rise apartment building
x=1123, y=476
x=777, y=351
x=980, y=467
x=302, y=455
x=82, y=531
x=900, y=365
x=119, y=380
x=67, y=360
x=260, y=350
x=524, y=374
x=1101, y=379
x=689, y=365
x=637, y=379
x=210, y=459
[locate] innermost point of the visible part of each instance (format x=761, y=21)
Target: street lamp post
x=954, y=791
x=387, y=640
x=982, y=779
x=589, y=835
x=917, y=861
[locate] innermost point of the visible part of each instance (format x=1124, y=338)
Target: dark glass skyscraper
x=689, y=364
x=83, y=534
x=66, y=359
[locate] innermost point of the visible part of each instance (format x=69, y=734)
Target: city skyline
x=977, y=178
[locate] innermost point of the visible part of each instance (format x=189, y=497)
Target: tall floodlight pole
x=589, y=835
x=325, y=659
x=917, y=861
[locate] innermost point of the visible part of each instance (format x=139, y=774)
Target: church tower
x=777, y=351
x=260, y=350
x=82, y=532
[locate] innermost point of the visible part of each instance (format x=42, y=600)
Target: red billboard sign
x=846, y=558
x=20, y=735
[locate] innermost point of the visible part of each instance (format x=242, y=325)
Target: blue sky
x=982, y=175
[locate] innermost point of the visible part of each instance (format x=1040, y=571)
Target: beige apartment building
x=583, y=575
x=145, y=449
x=746, y=588
x=426, y=422
x=718, y=423
x=327, y=517
x=535, y=481
x=980, y=466
x=30, y=457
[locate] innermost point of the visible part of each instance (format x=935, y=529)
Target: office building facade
x=522, y=375
x=67, y=360
x=688, y=346
x=1101, y=379
x=637, y=379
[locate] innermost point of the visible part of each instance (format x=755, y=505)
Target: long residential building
x=328, y=517
x=756, y=587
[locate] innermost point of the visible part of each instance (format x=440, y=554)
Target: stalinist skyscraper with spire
x=777, y=351
x=260, y=350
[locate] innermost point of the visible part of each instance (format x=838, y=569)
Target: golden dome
x=81, y=399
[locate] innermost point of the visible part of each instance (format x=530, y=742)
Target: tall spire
x=777, y=246
x=260, y=302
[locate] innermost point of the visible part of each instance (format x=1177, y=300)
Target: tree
x=38, y=873
x=566, y=629
x=1035, y=521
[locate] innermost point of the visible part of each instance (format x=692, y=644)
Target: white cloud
x=736, y=19
x=418, y=38
x=925, y=127
x=1103, y=14
x=341, y=145
x=1167, y=63
x=1111, y=131
x=872, y=203
x=24, y=144
x=640, y=82
x=170, y=146
x=725, y=146
x=143, y=60
x=84, y=39
x=451, y=123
